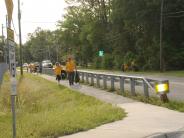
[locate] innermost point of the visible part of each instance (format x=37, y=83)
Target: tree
x=126, y=30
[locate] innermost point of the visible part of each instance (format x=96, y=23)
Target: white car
x=25, y=65
x=47, y=64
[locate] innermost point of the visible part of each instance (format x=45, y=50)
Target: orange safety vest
x=70, y=66
x=57, y=70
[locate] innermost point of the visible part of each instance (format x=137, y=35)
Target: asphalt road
x=176, y=84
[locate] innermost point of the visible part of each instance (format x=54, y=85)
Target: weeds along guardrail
x=114, y=82
x=3, y=68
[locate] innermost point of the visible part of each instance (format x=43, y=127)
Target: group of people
x=32, y=68
x=70, y=69
x=129, y=67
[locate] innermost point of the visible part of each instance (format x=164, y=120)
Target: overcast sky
x=35, y=13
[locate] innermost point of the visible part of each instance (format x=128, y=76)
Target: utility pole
x=161, y=32
x=3, y=47
x=2, y=34
x=57, y=49
x=7, y=45
x=49, y=52
x=164, y=95
x=20, y=37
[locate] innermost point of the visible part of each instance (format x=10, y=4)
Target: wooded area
x=126, y=30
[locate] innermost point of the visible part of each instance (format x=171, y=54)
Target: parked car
x=25, y=65
x=47, y=64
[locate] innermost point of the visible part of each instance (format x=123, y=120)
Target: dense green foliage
x=47, y=110
x=126, y=30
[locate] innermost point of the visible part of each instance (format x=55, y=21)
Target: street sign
x=100, y=53
x=12, y=65
x=10, y=34
x=9, y=7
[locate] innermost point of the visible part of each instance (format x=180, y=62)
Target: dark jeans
x=58, y=77
x=71, y=77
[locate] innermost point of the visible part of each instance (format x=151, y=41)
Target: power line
x=20, y=38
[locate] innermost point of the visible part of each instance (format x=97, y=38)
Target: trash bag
x=63, y=74
x=76, y=77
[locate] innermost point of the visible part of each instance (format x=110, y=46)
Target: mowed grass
x=173, y=105
x=45, y=109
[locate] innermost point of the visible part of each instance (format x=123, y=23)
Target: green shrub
x=97, y=63
x=108, y=61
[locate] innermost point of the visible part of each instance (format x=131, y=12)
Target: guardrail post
x=105, y=81
x=112, y=83
x=51, y=72
x=122, y=85
x=46, y=72
x=43, y=71
x=132, y=85
x=98, y=80
x=92, y=79
x=87, y=78
x=82, y=76
x=146, y=91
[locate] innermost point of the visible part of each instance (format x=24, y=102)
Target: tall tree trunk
x=104, y=12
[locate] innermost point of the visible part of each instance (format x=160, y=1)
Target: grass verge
x=173, y=105
x=45, y=109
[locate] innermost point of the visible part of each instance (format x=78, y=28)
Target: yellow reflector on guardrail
x=162, y=87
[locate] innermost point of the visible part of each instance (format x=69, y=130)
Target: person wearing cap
x=70, y=68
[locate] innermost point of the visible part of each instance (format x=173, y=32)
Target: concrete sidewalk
x=143, y=120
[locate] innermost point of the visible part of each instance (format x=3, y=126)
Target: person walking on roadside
x=70, y=68
x=57, y=71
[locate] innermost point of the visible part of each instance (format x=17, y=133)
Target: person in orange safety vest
x=57, y=71
x=70, y=68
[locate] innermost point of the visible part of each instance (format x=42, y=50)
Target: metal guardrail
x=94, y=79
x=48, y=71
x=122, y=79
